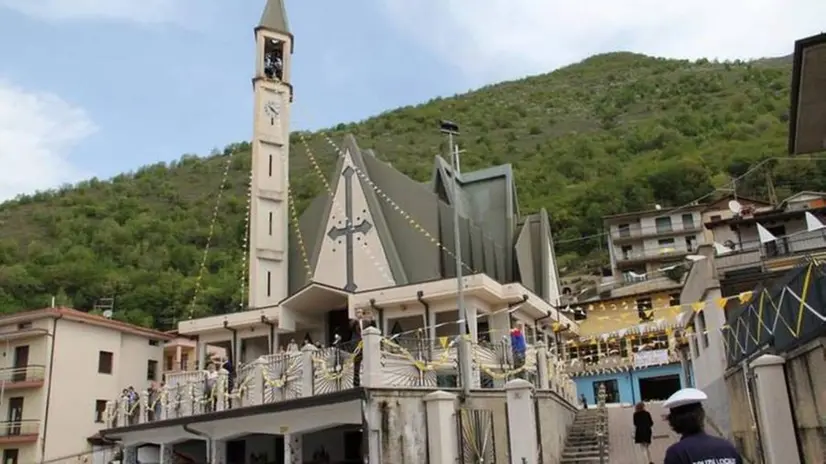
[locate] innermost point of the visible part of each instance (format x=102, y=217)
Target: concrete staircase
x=582, y=445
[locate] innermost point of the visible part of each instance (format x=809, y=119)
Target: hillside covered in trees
x=614, y=133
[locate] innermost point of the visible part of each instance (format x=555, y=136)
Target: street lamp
x=452, y=130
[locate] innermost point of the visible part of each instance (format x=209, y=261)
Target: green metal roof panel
x=418, y=255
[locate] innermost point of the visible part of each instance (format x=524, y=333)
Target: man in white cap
x=687, y=417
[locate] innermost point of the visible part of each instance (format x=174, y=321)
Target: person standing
x=643, y=425
x=687, y=417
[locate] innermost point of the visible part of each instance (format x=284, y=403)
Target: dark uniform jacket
x=702, y=449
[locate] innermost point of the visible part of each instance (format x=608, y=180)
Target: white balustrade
x=375, y=362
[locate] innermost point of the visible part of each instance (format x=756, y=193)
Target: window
x=701, y=318
x=663, y=224
x=674, y=299
x=626, y=251
x=624, y=230
x=270, y=171
x=151, y=370
x=688, y=221
x=611, y=391
x=690, y=243
x=716, y=218
x=644, y=304
x=24, y=326
x=153, y=343
x=105, y=361
x=665, y=242
x=100, y=410
x=10, y=456
x=184, y=362
x=269, y=283
x=169, y=361
x=270, y=224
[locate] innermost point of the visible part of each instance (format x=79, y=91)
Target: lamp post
x=452, y=130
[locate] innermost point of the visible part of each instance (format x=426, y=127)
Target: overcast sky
x=97, y=87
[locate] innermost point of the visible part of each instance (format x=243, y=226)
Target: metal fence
x=781, y=315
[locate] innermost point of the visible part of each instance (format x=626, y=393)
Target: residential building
x=640, y=243
x=353, y=328
x=738, y=262
x=60, y=366
x=748, y=261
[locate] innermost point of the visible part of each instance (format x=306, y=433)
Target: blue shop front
x=629, y=386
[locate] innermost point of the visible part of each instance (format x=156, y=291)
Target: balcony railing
x=374, y=362
x=636, y=233
x=30, y=373
x=10, y=429
x=754, y=253
x=650, y=255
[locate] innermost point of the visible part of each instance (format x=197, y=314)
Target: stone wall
x=806, y=378
x=805, y=372
x=403, y=417
x=555, y=417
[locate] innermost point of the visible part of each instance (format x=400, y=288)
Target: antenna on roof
x=735, y=207
x=105, y=305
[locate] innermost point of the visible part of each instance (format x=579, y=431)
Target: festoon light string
x=202, y=270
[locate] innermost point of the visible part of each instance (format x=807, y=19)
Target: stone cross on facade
x=349, y=229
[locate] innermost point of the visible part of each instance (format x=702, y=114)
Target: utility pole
x=465, y=364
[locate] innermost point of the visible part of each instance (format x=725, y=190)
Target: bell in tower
x=275, y=42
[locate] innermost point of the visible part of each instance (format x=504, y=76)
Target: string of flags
x=680, y=313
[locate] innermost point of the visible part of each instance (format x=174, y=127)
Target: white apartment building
x=640, y=243
x=59, y=368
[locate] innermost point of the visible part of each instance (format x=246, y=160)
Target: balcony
x=375, y=362
x=634, y=234
x=782, y=253
x=15, y=378
x=19, y=432
x=635, y=258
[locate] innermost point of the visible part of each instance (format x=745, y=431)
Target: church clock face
x=272, y=109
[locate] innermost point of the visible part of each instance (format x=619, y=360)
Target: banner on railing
x=650, y=358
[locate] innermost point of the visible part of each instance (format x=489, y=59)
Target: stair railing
x=602, y=422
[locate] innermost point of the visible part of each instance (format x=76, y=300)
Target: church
x=392, y=321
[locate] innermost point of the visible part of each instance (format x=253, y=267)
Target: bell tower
x=269, y=219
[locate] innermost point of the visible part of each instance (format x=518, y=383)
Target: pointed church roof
x=414, y=224
x=274, y=17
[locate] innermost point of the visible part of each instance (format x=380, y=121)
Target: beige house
x=59, y=368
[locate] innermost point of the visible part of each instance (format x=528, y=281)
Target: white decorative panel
x=352, y=257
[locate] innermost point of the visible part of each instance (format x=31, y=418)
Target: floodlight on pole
x=452, y=130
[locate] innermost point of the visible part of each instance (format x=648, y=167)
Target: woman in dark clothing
x=642, y=430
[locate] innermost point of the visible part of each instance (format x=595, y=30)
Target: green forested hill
x=613, y=133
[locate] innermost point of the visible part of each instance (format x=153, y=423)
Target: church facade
x=350, y=348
